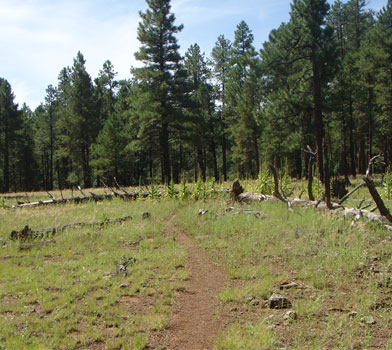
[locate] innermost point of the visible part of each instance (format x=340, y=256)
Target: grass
x=336, y=265
x=68, y=294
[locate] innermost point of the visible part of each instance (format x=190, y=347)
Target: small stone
x=277, y=301
x=248, y=300
x=288, y=285
x=146, y=215
x=368, y=320
x=254, y=302
x=290, y=316
x=203, y=212
x=124, y=285
x=353, y=314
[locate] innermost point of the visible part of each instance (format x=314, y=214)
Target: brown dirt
x=196, y=321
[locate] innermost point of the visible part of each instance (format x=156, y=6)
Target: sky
x=40, y=37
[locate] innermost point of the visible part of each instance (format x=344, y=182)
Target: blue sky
x=40, y=37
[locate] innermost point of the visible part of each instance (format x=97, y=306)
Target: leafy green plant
x=285, y=184
x=153, y=192
x=183, y=192
x=199, y=190
x=264, y=183
x=317, y=188
x=170, y=191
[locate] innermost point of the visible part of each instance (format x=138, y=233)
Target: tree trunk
x=224, y=157
x=318, y=116
x=165, y=153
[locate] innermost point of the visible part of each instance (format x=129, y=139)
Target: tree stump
x=339, y=189
x=236, y=190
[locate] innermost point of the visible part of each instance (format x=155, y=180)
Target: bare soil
x=196, y=319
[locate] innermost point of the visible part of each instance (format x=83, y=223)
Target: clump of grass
x=250, y=336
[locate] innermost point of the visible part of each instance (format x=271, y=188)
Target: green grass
x=67, y=295
x=323, y=253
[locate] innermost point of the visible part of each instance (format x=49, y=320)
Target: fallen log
x=77, y=200
x=28, y=234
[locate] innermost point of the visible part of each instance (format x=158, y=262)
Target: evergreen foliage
x=322, y=79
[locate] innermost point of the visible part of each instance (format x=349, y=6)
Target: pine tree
x=158, y=81
x=221, y=63
x=201, y=115
x=243, y=97
x=8, y=126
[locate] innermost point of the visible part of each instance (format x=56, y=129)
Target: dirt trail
x=195, y=322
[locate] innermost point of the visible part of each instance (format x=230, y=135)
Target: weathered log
x=28, y=234
x=93, y=197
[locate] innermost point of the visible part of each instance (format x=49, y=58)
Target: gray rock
x=277, y=301
x=124, y=285
x=254, y=302
x=146, y=215
x=203, y=212
x=353, y=314
x=290, y=316
x=288, y=285
x=368, y=320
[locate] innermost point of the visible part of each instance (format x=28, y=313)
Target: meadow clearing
x=194, y=273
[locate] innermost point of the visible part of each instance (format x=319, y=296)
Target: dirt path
x=195, y=322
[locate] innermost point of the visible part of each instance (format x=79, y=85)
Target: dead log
x=28, y=234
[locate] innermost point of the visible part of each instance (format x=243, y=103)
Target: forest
x=322, y=82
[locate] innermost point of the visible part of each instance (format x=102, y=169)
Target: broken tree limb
x=80, y=189
x=276, y=184
x=377, y=198
x=351, y=192
x=118, y=186
x=371, y=162
x=28, y=234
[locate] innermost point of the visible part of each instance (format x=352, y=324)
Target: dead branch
x=79, y=188
x=28, y=234
x=371, y=162
x=350, y=193
x=49, y=194
x=118, y=186
x=374, y=193
x=377, y=198
x=276, y=183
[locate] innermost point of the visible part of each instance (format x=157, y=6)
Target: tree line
x=323, y=80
